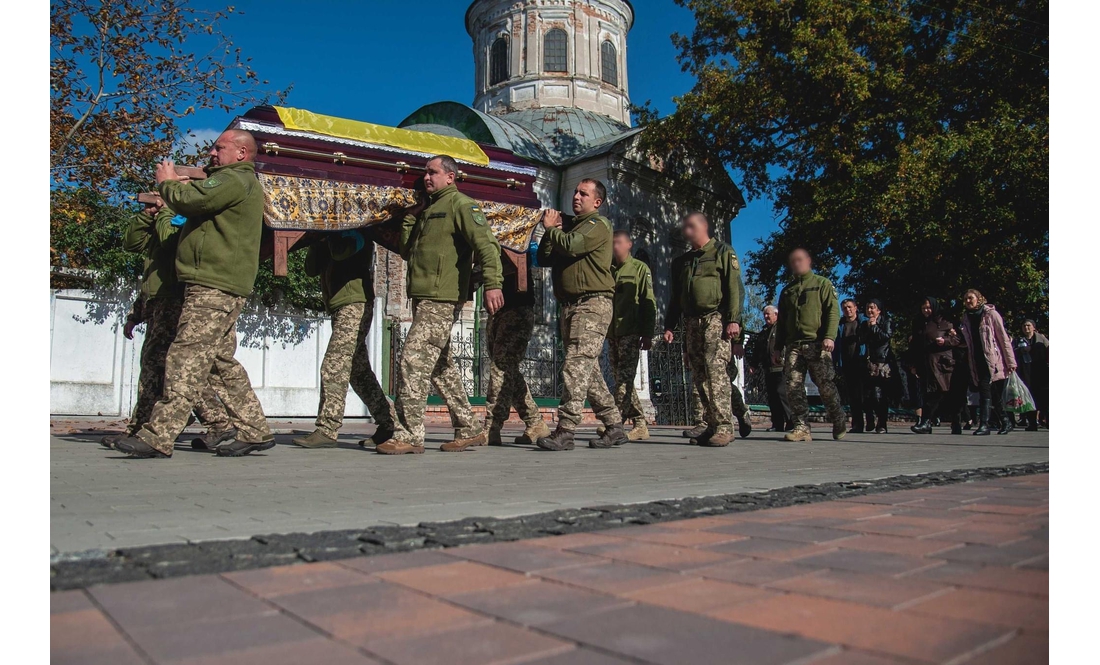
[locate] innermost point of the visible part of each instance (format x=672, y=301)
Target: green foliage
x=296, y=290
x=86, y=234
x=905, y=143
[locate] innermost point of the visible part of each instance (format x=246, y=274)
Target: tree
x=904, y=142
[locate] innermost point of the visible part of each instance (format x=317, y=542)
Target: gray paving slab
x=100, y=500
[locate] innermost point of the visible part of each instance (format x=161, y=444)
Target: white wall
x=94, y=368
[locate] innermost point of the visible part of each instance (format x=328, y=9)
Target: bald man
x=217, y=257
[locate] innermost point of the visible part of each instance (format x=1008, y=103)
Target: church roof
x=554, y=135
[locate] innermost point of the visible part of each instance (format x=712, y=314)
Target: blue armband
x=179, y=220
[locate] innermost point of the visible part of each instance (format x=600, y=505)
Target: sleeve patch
x=211, y=183
x=479, y=216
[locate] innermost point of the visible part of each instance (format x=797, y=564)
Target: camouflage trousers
x=426, y=359
x=708, y=357
x=345, y=362
x=797, y=360
x=205, y=343
x=508, y=335
x=584, y=327
x=623, y=353
x=161, y=317
x=737, y=399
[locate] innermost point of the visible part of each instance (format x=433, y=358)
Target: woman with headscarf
x=874, y=333
x=989, y=349
x=933, y=352
x=1030, y=349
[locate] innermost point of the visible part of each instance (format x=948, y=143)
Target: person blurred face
x=226, y=150
x=970, y=301
x=694, y=229
x=872, y=310
x=799, y=262
x=435, y=178
x=621, y=246
x=770, y=316
x=585, y=199
x=850, y=310
x=1029, y=329
x=926, y=309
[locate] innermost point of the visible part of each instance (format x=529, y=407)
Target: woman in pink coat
x=989, y=348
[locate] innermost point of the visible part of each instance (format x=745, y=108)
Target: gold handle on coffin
x=272, y=148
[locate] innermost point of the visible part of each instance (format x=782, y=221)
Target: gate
x=670, y=380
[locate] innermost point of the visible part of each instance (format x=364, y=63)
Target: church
x=551, y=86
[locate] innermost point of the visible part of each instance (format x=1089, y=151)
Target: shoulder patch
x=479, y=215
x=211, y=182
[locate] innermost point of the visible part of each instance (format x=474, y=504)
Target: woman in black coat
x=933, y=350
x=875, y=333
x=1030, y=349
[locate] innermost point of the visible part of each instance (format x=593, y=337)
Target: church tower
x=532, y=54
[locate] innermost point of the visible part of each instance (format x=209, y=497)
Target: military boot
x=694, y=432
x=399, y=447
x=561, y=439
x=612, y=436
x=956, y=426
x=316, y=439
x=719, y=440
x=799, y=433
x=744, y=426
x=640, y=431
x=984, y=413
x=135, y=447
x=703, y=437
x=383, y=432
x=462, y=443
x=494, y=436
x=533, y=433
x=212, y=439
x=238, y=448
x=840, y=429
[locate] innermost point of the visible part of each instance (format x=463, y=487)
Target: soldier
x=740, y=410
x=580, y=262
x=706, y=290
x=631, y=330
x=439, y=239
x=345, y=264
x=217, y=257
x=509, y=332
x=809, y=316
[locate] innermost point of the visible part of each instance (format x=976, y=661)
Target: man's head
x=771, y=314
x=234, y=145
x=440, y=172
x=850, y=309
x=1028, y=328
x=621, y=246
x=799, y=261
x=696, y=229
x=588, y=196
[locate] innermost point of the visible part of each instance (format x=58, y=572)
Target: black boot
x=956, y=426
x=561, y=439
x=857, y=423
x=984, y=411
x=611, y=437
x=923, y=426
x=1008, y=423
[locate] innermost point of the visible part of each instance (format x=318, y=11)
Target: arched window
x=498, y=61
x=555, y=51
x=609, y=64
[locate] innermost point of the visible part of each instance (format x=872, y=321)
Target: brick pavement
x=100, y=501
x=952, y=574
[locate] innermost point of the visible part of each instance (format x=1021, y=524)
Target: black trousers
x=773, y=383
x=876, y=399
x=994, y=391
x=854, y=378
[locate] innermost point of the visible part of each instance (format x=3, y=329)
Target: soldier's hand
x=733, y=330
x=166, y=170
x=827, y=345
x=494, y=300
x=551, y=219
x=738, y=350
x=646, y=343
x=668, y=337
x=128, y=329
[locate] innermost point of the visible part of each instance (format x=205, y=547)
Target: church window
x=556, y=51
x=498, y=61
x=609, y=64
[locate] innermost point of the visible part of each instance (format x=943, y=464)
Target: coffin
x=322, y=174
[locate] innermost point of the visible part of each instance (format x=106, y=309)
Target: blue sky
x=379, y=60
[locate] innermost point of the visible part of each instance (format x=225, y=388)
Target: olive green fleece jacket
x=635, y=305
x=345, y=264
x=809, y=311
x=703, y=281
x=155, y=238
x=580, y=260
x=219, y=246
x=440, y=244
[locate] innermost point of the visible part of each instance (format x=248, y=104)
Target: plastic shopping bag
x=1018, y=398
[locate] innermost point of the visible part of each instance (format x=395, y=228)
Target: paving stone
x=1006, y=609
x=453, y=578
x=475, y=645
x=580, y=657
x=222, y=638
x=896, y=544
x=769, y=548
x=878, y=630
x=795, y=532
x=282, y=580
x=861, y=588
x=677, y=537
x=1005, y=555
x=700, y=596
x=535, y=603
x=882, y=563
x=612, y=577
x=657, y=556
x=378, y=564
x=317, y=650
x=1026, y=649
x=521, y=557
x=658, y=635
x=86, y=637
x=993, y=578
x=172, y=603
x=754, y=572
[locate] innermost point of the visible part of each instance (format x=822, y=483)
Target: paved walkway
x=100, y=500
x=953, y=574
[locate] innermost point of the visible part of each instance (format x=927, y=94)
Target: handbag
x=1017, y=397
